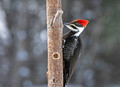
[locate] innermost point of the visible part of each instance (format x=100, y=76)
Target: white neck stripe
x=80, y=31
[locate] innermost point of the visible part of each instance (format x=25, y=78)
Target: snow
x=24, y=71
x=22, y=55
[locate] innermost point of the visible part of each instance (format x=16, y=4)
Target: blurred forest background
x=23, y=42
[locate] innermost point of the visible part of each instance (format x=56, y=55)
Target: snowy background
x=23, y=42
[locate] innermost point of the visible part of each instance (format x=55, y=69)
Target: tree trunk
x=55, y=59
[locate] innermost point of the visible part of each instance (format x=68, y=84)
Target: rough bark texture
x=55, y=59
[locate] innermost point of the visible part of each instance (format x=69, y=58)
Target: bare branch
x=58, y=18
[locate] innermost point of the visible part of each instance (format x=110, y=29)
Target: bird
x=72, y=47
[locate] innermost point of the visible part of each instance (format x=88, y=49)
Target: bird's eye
x=77, y=23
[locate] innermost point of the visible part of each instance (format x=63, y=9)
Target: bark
x=55, y=59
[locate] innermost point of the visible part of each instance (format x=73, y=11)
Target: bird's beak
x=66, y=24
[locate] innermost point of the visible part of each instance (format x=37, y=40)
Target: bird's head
x=77, y=25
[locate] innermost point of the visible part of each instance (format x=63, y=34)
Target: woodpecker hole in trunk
x=54, y=80
x=56, y=55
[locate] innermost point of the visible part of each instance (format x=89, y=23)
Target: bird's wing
x=70, y=58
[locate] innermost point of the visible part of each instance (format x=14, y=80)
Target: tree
x=55, y=59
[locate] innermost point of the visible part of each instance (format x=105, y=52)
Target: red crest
x=83, y=22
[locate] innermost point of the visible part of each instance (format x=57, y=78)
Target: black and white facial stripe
x=75, y=27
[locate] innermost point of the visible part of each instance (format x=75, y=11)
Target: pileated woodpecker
x=72, y=46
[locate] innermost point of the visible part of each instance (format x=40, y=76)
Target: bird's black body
x=72, y=46
x=71, y=51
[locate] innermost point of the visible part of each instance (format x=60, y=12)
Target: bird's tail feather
x=65, y=85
